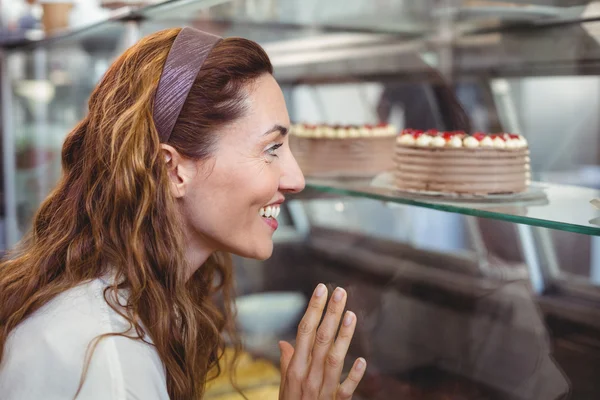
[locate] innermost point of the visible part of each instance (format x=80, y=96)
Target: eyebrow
x=282, y=130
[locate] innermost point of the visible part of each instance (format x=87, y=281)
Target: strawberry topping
x=479, y=136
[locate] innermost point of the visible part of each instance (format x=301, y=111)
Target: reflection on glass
x=434, y=326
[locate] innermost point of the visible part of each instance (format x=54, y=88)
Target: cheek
x=260, y=189
x=224, y=209
x=237, y=196
x=243, y=231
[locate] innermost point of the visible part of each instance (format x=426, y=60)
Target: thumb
x=287, y=351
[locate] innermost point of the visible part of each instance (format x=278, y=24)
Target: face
x=224, y=199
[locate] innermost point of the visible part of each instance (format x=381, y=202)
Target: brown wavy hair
x=112, y=211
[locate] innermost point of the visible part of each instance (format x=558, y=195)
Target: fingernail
x=348, y=318
x=338, y=294
x=360, y=365
x=320, y=290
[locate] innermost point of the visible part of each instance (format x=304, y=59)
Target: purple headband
x=187, y=54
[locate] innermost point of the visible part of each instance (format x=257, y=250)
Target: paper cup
x=56, y=15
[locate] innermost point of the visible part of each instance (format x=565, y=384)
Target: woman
x=182, y=159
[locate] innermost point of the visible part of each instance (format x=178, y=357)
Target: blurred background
x=456, y=300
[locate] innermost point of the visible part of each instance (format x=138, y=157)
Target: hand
x=312, y=371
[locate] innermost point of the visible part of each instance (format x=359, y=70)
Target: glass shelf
x=396, y=17
x=103, y=29
x=553, y=206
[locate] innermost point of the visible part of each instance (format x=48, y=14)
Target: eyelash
x=271, y=150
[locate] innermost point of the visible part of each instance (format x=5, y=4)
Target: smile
x=270, y=211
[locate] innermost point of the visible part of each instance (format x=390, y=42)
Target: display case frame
x=439, y=49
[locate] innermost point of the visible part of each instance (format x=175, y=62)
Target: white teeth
x=269, y=211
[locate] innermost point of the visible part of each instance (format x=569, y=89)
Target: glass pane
x=435, y=326
x=390, y=16
x=50, y=86
x=553, y=206
x=396, y=16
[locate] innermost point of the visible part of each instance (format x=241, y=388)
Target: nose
x=292, y=178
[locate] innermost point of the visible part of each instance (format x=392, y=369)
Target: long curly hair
x=112, y=212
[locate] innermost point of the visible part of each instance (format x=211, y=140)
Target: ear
x=178, y=170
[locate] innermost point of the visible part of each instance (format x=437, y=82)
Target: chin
x=261, y=253
x=263, y=257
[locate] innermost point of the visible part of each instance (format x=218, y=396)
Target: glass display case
x=456, y=299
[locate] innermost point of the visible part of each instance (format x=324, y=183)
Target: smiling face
x=224, y=199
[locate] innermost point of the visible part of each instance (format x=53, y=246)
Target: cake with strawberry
x=343, y=150
x=458, y=163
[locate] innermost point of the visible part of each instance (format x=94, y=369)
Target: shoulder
x=131, y=369
x=45, y=355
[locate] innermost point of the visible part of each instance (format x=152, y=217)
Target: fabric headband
x=186, y=56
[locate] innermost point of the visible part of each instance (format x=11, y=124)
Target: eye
x=271, y=150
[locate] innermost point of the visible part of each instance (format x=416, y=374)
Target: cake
x=336, y=151
x=454, y=162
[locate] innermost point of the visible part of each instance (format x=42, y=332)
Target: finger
x=287, y=351
x=334, y=362
x=298, y=365
x=347, y=388
x=324, y=339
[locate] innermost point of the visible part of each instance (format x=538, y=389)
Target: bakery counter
x=434, y=325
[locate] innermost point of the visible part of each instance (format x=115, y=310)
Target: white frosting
x=341, y=133
x=499, y=143
x=512, y=144
x=407, y=140
x=487, y=142
x=297, y=130
x=329, y=132
x=387, y=130
x=455, y=142
x=471, y=142
x=438, y=141
x=522, y=141
x=353, y=132
x=309, y=132
x=318, y=132
x=424, y=140
x=364, y=132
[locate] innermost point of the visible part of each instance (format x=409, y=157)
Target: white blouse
x=44, y=356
